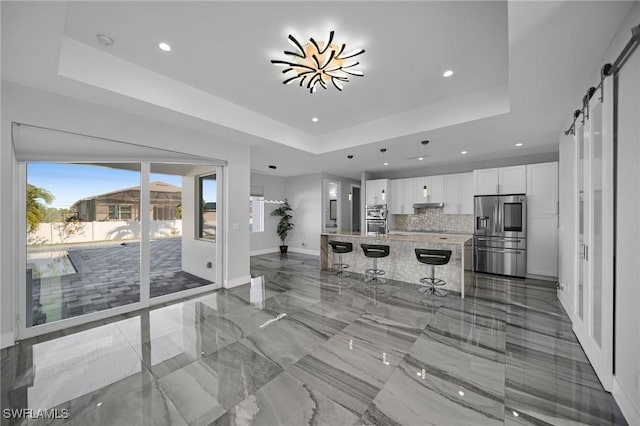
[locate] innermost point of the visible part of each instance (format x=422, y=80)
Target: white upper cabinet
x=377, y=192
x=513, y=180
x=397, y=201
x=420, y=195
x=486, y=181
x=542, y=191
x=458, y=193
x=435, y=189
x=466, y=193
x=452, y=194
x=429, y=189
x=503, y=180
x=402, y=196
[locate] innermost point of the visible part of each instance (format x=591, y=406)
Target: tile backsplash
x=433, y=219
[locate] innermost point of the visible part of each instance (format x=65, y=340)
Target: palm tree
x=36, y=210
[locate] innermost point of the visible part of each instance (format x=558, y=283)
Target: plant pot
x=283, y=249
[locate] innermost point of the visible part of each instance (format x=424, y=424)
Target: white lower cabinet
x=542, y=246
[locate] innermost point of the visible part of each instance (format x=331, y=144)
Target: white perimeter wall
x=31, y=106
x=626, y=387
x=267, y=241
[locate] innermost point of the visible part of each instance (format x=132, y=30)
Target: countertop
x=455, y=239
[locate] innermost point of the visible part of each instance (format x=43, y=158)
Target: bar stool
x=433, y=258
x=340, y=248
x=375, y=251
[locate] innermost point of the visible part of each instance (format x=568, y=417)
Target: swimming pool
x=49, y=264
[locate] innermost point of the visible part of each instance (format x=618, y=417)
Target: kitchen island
x=401, y=264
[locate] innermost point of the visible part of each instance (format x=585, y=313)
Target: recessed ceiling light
x=447, y=73
x=463, y=152
x=420, y=158
x=519, y=144
x=104, y=40
x=386, y=164
x=461, y=393
x=314, y=119
x=165, y=47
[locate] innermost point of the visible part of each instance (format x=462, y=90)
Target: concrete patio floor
x=108, y=277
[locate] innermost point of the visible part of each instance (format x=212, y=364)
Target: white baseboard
x=542, y=277
x=628, y=406
x=6, y=340
x=234, y=282
x=265, y=251
x=566, y=304
x=304, y=251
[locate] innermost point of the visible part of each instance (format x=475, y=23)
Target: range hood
x=428, y=206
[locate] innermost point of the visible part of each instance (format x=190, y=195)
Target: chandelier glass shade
x=318, y=64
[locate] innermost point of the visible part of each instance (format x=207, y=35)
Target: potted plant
x=285, y=225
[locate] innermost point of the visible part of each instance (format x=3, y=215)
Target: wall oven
x=376, y=226
x=376, y=219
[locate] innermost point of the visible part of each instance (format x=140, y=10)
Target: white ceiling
x=518, y=69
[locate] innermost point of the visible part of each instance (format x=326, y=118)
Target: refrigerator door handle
x=493, y=250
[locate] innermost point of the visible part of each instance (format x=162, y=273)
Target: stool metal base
x=375, y=275
x=339, y=269
x=431, y=283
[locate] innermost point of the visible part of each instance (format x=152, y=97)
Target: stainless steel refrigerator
x=500, y=235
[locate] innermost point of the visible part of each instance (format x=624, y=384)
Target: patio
x=108, y=277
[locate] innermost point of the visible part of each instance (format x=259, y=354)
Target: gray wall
x=267, y=241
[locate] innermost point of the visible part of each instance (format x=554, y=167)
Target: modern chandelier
x=319, y=63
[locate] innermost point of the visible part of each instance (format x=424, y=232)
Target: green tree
x=36, y=209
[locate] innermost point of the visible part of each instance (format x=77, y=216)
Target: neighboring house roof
x=160, y=191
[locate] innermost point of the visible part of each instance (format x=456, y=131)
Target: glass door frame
x=145, y=301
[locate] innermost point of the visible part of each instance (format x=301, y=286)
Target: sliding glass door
x=183, y=233
x=106, y=238
x=83, y=239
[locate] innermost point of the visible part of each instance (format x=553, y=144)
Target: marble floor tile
x=240, y=372
x=287, y=340
x=287, y=401
x=341, y=355
x=180, y=347
x=420, y=393
x=145, y=405
x=350, y=391
x=194, y=390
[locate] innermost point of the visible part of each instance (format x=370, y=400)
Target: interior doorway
x=355, y=208
x=332, y=206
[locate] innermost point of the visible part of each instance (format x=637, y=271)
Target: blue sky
x=70, y=182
